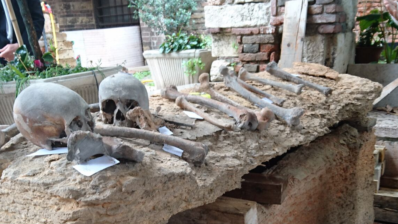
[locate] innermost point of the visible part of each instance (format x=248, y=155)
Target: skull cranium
x=118, y=94
x=47, y=113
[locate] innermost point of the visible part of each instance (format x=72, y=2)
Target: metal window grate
x=114, y=13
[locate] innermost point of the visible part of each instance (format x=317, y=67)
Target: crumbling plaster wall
x=240, y=27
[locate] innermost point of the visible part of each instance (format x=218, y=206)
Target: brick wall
x=151, y=40
x=73, y=14
x=258, y=45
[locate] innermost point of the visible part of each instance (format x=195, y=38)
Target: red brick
x=268, y=48
x=315, y=9
x=216, y=2
x=239, y=39
x=247, y=57
x=245, y=31
x=262, y=57
x=237, y=68
x=324, y=2
x=226, y=30
x=333, y=8
x=213, y=30
x=323, y=18
x=274, y=8
x=277, y=21
x=240, y=48
x=326, y=29
x=342, y=18
x=274, y=56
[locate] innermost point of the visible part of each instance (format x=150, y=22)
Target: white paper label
x=173, y=150
x=164, y=130
x=192, y=115
x=43, y=152
x=95, y=165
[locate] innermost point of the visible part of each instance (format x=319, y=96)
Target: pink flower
x=38, y=64
x=78, y=57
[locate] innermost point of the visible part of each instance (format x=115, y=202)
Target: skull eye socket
x=120, y=116
x=130, y=104
x=76, y=124
x=109, y=106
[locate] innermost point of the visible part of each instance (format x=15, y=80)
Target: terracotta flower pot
x=365, y=55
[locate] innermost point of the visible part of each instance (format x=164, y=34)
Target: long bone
x=245, y=119
x=193, y=152
x=7, y=133
x=184, y=104
x=291, y=116
x=273, y=69
x=264, y=117
x=245, y=76
x=278, y=101
x=82, y=145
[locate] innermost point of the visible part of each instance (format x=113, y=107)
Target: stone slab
x=224, y=46
x=49, y=190
x=386, y=124
x=240, y=15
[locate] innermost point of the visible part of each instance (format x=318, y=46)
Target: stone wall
x=250, y=32
x=73, y=14
x=329, y=181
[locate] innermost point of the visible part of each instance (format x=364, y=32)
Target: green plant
x=376, y=28
x=164, y=16
x=142, y=75
x=192, y=65
x=235, y=46
x=182, y=41
x=24, y=68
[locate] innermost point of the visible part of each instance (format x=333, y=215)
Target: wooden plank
x=386, y=215
x=386, y=198
x=389, y=182
x=261, y=189
x=293, y=32
x=223, y=211
x=387, y=90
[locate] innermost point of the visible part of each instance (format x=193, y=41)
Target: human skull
x=47, y=113
x=118, y=94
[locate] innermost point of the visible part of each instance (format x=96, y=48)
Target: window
x=114, y=13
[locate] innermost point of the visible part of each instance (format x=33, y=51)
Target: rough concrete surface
x=223, y=46
x=48, y=190
x=241, y=15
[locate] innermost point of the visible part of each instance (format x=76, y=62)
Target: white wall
x=110, y=46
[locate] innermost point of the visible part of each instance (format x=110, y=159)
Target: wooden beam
x=14, y=22
x=261, y=189
x=389, y=182
x=223, y=211
x=386, y=205
x=293, y=32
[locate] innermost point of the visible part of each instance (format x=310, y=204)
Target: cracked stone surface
x=48, y=190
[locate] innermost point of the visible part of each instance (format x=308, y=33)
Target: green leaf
x=21, y=76
x=47, y=57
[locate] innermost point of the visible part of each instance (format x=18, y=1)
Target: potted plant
x=24, y=70
x=375, y=29
x=182, y=56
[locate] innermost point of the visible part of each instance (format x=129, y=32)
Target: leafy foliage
x=164, y=16
x=192, y=65
x=376, y=28
x=182, y=41
x=24, y=68
x=142, y=75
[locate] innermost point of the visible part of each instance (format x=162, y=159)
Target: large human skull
x=47, y=113
x=118, y=94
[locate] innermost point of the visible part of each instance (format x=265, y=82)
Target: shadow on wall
x=108, y=47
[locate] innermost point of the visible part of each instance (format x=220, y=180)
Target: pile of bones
x=60, y=116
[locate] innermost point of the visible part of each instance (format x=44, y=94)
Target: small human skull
x=118, y=94
x=47, y=113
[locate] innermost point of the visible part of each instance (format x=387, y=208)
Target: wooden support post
x=223, y=210
x=30, y=28
x=261, y=189
x=14, y=22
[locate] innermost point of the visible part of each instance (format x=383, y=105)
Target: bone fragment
x=245, y=119
x=7, y=133
x=276, y=100
x=245, y=76
x=82, y=145
x=95, y=107
x=184, y=104
x=143, y=118
x=290, y=116
x=193, y=152
x=273, y=69
x=264, y=117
